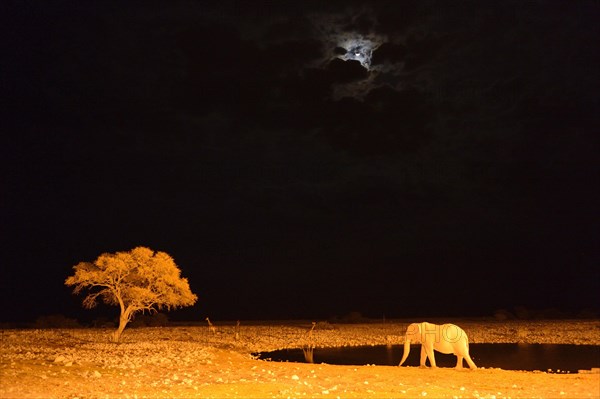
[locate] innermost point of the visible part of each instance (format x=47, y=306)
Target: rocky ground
x=190, y=362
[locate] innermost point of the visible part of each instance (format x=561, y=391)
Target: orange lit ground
x=185, y=362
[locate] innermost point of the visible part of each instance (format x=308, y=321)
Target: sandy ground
x=193, y=362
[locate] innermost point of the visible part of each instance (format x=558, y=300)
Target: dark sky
x=305, y=159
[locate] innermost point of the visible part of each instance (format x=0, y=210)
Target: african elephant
x=447, y=338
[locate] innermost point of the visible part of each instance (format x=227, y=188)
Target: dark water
x=543, y=357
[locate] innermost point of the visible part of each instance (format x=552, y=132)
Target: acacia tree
x=139, y=280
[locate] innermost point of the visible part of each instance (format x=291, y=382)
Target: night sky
x=305, y=159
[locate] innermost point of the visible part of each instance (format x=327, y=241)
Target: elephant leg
x=423, y=356
x=430, y=354
x=459, y=362
x=470, y=362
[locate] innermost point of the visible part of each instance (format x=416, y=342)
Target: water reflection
x=544, y=357
x=308, y=354
x=389, y=351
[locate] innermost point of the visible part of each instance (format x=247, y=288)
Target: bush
x=324, y=325
x=503, y=314
x=103, y=322
x=522, y=313
x=158, y=320
x=56, y=321
x=353, y=317
x=155, y=320
x=551, y=314
x=587, y=314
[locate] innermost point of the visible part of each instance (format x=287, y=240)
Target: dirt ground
x=194, y=362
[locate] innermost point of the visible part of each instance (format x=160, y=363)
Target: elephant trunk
x=406, y=351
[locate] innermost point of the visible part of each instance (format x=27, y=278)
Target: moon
x=359, y=49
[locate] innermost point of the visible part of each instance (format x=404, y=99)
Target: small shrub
x=56, y=321
x=522, y=334
x=324, y=325
x=158, y=320
x=146, y=320
x=103, y=322
x=503, y=314
x=587, y=314
x=522, y=313
x=353, y=317
x=551, y=314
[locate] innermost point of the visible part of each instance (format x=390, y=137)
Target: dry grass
x=195, y=362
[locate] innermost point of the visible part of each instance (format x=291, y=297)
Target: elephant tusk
x=406, y=351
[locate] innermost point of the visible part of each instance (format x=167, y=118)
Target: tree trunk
x=116, y=335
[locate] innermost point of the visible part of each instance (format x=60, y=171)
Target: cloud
x=347, y=35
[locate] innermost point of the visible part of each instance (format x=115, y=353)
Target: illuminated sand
x=184, y=362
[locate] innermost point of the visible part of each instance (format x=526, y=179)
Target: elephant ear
x=413, y=332
x=412, y=329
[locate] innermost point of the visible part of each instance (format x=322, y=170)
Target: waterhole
x=529, y=357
